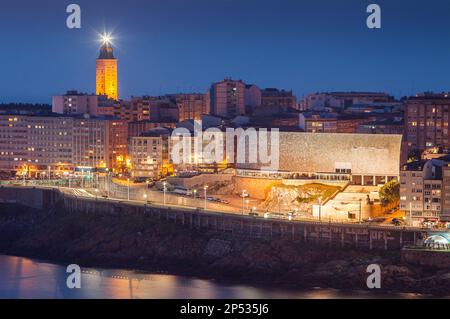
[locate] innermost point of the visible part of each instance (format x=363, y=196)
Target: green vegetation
x=390, y=192
x=315, y=192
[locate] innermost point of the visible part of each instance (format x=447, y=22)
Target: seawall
x=335, y=234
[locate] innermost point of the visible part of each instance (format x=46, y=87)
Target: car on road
x=397, y=222
x=254, y=214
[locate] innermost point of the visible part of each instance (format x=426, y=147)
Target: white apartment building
x=421, y=191
x=149, y=154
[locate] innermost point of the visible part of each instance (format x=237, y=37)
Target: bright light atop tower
x=106, y=38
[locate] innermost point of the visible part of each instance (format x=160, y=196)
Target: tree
x=390, y=192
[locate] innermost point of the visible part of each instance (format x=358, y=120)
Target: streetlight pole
x=360, y=200
x=410, y=213
x=320, y=209
x=243, y=201
x=128, y=188
x=165, y=189
x=205, y=188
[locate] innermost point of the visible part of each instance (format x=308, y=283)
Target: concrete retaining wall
x=362, y=236
x=38, y=198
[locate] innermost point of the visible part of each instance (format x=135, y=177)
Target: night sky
x=169, y=46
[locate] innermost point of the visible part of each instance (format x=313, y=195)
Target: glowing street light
x=194, y=192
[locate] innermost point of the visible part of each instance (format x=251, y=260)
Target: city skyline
x=184, y=47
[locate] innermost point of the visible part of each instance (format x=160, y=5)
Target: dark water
x=27, y=278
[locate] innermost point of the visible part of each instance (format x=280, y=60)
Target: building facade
x=426, y=121
x=55, y=143
x=227, y=98
x=276, y=97
x=192, y=106
x=361, y=159
x=343, y=99
x=149, y=154
x=331, y=122
x=423, y=190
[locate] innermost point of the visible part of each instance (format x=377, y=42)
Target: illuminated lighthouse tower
x=106, y=70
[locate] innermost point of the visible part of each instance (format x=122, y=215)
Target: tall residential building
x=106, y=73
x=423, y=190
x=227, y=98
x=191, y=106
x=35, y=143
x=74, y=102
x=426, y=121
x=149, y=153
x=275, y=97
x=253, y=96
x=59, y=143
x=445, y=215
x=147, y=108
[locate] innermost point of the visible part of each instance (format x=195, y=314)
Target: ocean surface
x=28, y=278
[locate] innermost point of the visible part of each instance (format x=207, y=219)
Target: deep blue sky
x=167, y=46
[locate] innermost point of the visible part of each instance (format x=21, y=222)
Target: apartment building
x=149, y=154
x=423, y=190
x=426, y=121
x=37, y=144
x=227, y=98
x=192, y=106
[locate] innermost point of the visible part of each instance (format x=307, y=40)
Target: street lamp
x=205, y=188
x=194, y=192
x=410, y=214
x=165, y=189
x=320, y=209
x=128, y=188
x=96, y=193
x=360, y=200
x=243, y=201
x=246, y=202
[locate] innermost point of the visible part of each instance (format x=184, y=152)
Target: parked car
x=397, y=222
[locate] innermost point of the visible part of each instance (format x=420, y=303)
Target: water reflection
x=27, y=278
